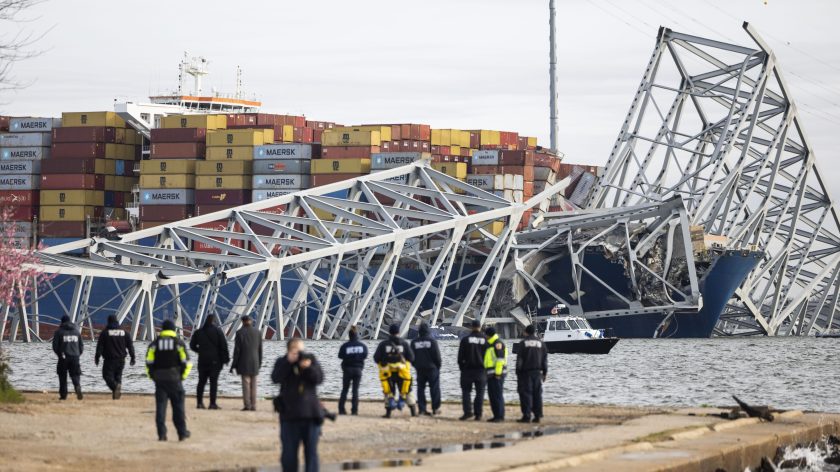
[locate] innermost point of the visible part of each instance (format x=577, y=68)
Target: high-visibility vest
x=495, y=364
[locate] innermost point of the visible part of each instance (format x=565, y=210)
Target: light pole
x=552, y=75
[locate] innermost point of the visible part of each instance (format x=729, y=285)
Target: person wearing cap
x=394, y=358
x=212, y=348
x=67, y=345
x=352, y=354
x=427, y=363
x=531, y=369
x=495, y=363
x=113, y=345
x=247, y=360
x=168, y=365
x=471, y=363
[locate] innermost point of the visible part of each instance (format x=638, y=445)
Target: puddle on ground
x=498, y=441
x=348, y=465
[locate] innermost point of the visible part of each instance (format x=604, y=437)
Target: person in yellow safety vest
x=394, y=357
x=495, y=364
x=168, y=364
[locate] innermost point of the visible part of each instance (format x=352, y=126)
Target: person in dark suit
x=211, y=346
x=247, y=360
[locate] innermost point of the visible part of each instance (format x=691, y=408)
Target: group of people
x=482, y=360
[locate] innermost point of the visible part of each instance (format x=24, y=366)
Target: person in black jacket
x=394, y=358
x=113, y=345
x=427, y=362
x=168, y=364
x=300, y=410
x=471, y=363
x=531, y=370
x=352, y=354
x=212, y=348
x=67, y=345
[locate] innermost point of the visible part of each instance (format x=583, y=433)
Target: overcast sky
x=449, y=63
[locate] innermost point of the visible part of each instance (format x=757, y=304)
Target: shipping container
x=283, y=151
x=167, y=166
x=390, y=160
x=72, y=181
x=515, y=158
x=282, y=166
x=62, y=229
x=351, y=138
x=233, y=153
x=69, y=213
x=201, y=210
x=544, y=173
x=73, y=197
x=223, y=168
x=23, y=213
x=179, y=135
x=4, y=123
x=452, y=169
x=223, y=182
x=175, y=196
x=222, y=197
x=325, y=179
x=286, y=181
x=486, y=158
x=177, y=150
x=20, y=167
x=97, y=150
x=152, y=224
x=17, y=229
x=350, y=152
x=91, y=134
x=74, y=166
x=167, y=181
x=341, y=166
x=27, y=153
x=94, y=118
x=383, y=130
x=260, y=195
x=209, y=122
x=33, y=125
x=19, y=182
x=166, y=212
x=20, y=197
x=25, y=140
x=240, y=137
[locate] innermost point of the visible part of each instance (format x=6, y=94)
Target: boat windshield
x=576, y=324
x=558, y=325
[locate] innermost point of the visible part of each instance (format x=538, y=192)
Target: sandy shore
x=100, y=433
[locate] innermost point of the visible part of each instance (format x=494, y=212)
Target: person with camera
x=300, y=410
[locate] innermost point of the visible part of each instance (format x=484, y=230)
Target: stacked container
x=280, y=169
x=511, y=174
x=22, y=149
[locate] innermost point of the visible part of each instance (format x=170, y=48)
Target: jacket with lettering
x=67, y=341
x=114, y=343
x=211, y=346
x=532, y=355
x=471, y=351
x=353, y=353
x=387, y=347
x=167, y=359
x=495, y=357
x=426, y=352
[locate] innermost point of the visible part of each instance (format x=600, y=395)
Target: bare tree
x=16, y=41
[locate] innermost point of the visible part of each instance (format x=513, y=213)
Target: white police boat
x=573, y=335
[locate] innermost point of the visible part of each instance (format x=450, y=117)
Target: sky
x=472, y=64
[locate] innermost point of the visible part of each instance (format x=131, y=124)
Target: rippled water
x=782, y=372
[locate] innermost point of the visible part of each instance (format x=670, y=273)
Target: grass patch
x=8, y=394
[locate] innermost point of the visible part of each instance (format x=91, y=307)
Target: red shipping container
x=178, y=151
x=23, y=213
x=528, y=189
x=72, y=182
x=527, y=172
x=516, y=158
x=179, y=135
x=86, y=134
x=201, y=210
x=166, y=212
x=119, y=199
x=547, y=160
x=218, y=226
x=349, y=152
x=69, y=166
x=325, y=179
x=63, y=229
x=222, y=197
x=475, y=139
x=316, y=135
x=465, y=152
x=77, y=150
x=20, y=197
x=486, y=170
x=4, y=123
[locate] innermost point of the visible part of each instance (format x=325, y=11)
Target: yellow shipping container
x=224, y=168
x=66, y=213
x=233, y=153
x=452, y=169
x=92, y=118
x=532, y=142
x=288, y=135
x=73, y=197
x=111, y=183
x=109, y=166
x=351, y=138
x=455, y=150
x=490, y=138
x=167, y=181
x=227, y=182
x=166, y=166
x=340, y=166
x=194, y=121
x=240, y=137
x=494, y=228
x=124, y=184
x=384, y=131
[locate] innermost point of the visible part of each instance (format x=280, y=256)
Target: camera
x=307, y=356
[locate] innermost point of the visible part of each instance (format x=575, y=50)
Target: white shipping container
x=21, y=242
x=20, y=182
x=487, y=182
x=24, y=153
x=20, y=167
x=544, y=173
x=33, y=125
x=23, y=229
x=284, y=181
x=390, y=160
x=168, y=196
x=260, y=195
x=581, y=192
x=485, y=158
x=25, y=139
x=514, y=182
x=283, y=151
x=399, y=179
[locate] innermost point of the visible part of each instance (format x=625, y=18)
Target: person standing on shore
x=427, y=363
x=247, y=360
x=113, y=345
x=495, y=363
x=394, y=358
x=168, y=365
x=67, y=345
x=531, y=370
x=471, y=363
x=300, y=410
x=352, y=354
x=211, y=346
